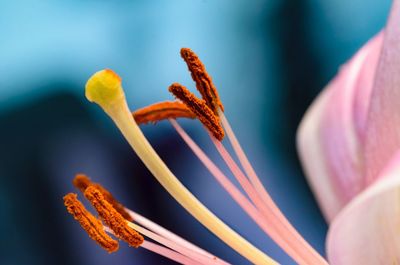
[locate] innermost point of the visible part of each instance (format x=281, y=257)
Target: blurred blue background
x=269, y=59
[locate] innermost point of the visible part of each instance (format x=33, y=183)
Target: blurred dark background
x=269, y=59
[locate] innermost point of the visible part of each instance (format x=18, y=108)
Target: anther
x=161, y=111
x=200, y=108
x=112, y=218
x=202, y=79
x=81, y=182
x=89, y=223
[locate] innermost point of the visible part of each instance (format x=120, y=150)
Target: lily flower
x=349, y=145
x=348, y=142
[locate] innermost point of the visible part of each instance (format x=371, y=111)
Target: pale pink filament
x=307, y=253
x=168, y=253
x=199, y=258
x=234, y=192
x=246, y=205
x=243, y=159
x=173, y=237
x=271, y=224
x=172, y=250
x=286, y=236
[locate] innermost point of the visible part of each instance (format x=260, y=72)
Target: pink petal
x=329, y=138
x=383, y=124
x=313, y=158
x=367, y=230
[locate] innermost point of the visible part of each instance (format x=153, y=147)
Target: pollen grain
x=162, y=111
x=112, y=218
x=81, y=182
x=200, y=108
x=202, y=79
x=89, y=223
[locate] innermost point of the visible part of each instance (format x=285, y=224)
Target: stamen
x=162, y=111
x=270, y=221
x=200, y=108
x=112, y=218
x=203, y=81
x=116, y=107
x=306, y=251
x=181, y=252
x=81, y=182
x=91, y=224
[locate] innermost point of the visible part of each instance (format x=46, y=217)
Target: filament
x=170, y=235
x=303, y=252
x=267, y=224
x=168, y=253
x=173, y=245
